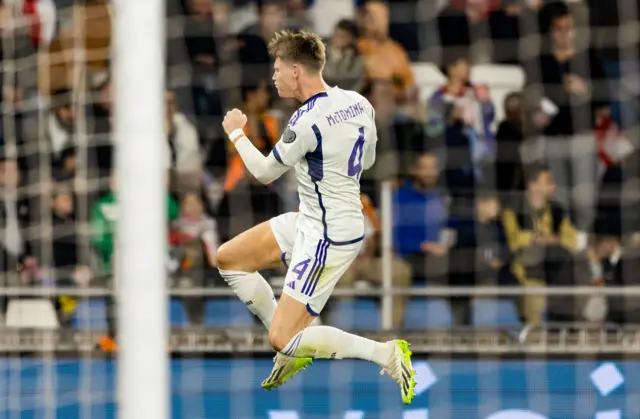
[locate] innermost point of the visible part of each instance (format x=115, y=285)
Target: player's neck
x=311, y=89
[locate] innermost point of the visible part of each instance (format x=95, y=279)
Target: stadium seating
x=356, y=314
x=223, y=312
x=91, y=314
x=31, y=313
x=427, y=314
x=490, y=312
x=177, y=314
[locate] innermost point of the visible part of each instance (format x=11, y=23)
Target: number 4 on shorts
x=299, y=269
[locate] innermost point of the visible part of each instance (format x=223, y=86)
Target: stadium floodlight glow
x=143, y=390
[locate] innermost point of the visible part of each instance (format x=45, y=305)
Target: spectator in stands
x=420, y=215
x=69, y=260
x=61, y=69
x=608, y=21
x=570, y=84
x=253, y=53
x=60, y=133
x=103, y=226
x=201, y=38
x=104, y=216
x=617, y=260
x=100, y=155
x=196, y=236
x=195, y=229
x=401, y=138
x=183, y=152
x=479, y=252
x=366, y=270
x=272, y=16
x=262, y=128
x=199, y=32
x=384, y=59
x=12, y=216
x=344, y=67
x=513, y=23
x=509, y=140
x=297, y=14
x=461, y=27
x=462, y=114
x=614, y=152
x=541, y=239
x=16, y=254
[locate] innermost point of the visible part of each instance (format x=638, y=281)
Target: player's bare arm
x=265, y=169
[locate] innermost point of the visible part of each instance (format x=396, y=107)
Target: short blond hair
x=299, y=47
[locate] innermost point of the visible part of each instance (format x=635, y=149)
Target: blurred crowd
x=546, y=195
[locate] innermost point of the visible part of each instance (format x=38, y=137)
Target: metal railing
x=383, y=293
x=572, y=340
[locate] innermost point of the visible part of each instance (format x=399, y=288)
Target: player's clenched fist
x=234, y=120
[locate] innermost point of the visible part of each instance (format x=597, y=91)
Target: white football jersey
x=330, y=140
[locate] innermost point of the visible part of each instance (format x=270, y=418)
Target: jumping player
x=329, y=141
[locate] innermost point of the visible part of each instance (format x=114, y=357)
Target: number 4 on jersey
x=357, y=154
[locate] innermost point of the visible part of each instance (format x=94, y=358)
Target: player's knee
x=225, y=257
x=278, y=340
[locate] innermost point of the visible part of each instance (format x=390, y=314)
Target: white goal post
x=139, y=78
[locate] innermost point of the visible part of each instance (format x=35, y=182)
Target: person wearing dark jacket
x=541, y=239
x=511, y=27
x=570, y=85
x=509, y=139
x=67, y=254
x=420, y=215
x=616, y=256
x=608, y=21
x=479, y=253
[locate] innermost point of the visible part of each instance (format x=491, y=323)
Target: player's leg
x=239, y=260
x=291, y=335
x=304, y=296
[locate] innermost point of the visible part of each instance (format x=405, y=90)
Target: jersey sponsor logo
x=288, y=136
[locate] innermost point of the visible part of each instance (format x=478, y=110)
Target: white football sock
x=254, y=291
x=325, y=342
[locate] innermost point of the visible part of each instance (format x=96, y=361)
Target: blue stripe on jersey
x=315, y=264
x=313, y=98
x=314, y=159
x=283, y=257
x=323, y=263
x=326, y=228
x=310, y=103
x=276, y=154
x=319, y=266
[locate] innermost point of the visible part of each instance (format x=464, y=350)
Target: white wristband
x=236, y=134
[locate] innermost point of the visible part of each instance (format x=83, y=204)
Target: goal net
x=501, y=215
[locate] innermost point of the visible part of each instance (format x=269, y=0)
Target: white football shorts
x=314, y=264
